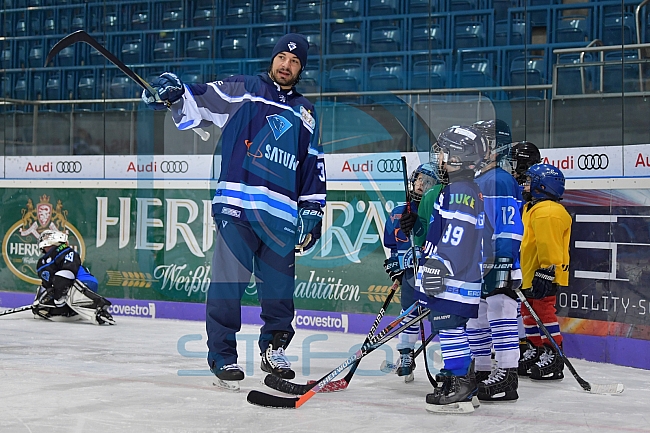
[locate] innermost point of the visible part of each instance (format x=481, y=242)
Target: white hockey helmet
x=51, y=238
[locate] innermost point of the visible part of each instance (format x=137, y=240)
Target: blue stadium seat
x=164, y=49
x=66, y=57
x=20, y=87
x=423, y=6
x=36, y=56
x=429, y=74
x=205, y=14
x=618, y=30
x=573, y=29
x=345, y=41
x=475, y=73
x=427, y=37
x=501, y=9
x=517, y=33
x=122, y=87
x=310, y=80
x=265, y=44
x=570, y=80
x=383, y=39
x=314, y=39
x=274, y=11
x=5, y=86
x=308, y=10
x=6, y=57
x=110, y=23
x=140, y=20
x=386, y=76
x=192, y=77
x=21, y=27
x=239, y=13
x=346, y=8
x=78, y=23
x=529, y=72
x=172, y=18
x=53, y=88
x=199, y=47
x=86, y=87
x=462, y=5
x=539, y=18
x=49, y=25
x=384, y=7
x=234, y=47
x=132, y=51
x=470, y=34
x=345, y=78
x=94, y=57
x=226, y=71
x=36, y=86
x=621, y=76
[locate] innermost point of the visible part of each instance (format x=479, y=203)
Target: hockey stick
x=82, y=36
x=390, y=367
x=267, y=400
x=612, y=388
x=408, y=206
x=16, y=310
x=341, y=384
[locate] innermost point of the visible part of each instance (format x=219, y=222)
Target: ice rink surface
x=145, y=375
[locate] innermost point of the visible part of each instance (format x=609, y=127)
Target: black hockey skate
x=274, y=360
x=550, y=365
x=407, y=364
x=453, y=395
x=500, y=386
x=482, y=375
x=228, y=376
x=528, y=359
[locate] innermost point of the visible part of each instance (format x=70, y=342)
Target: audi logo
x=593, y=162
x=389, y=165
x=68, y=167
x=174, y=166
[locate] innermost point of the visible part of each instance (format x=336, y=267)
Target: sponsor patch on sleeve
x=307, y=119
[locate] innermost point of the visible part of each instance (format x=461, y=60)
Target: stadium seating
x=265, y=44
x=346, y=8
x=345, y=41
x=475, y=73
x=345, y=78
x=205, y=15
x=386, y=76
x=132, y=51
x=383, y=7
x=308, y=10
x=573, y=29
x=620, y=74
x=469, y=34
x=619, y=29
x=164, y=49
x=384, y=39
x=199, y=47
x=429, y=74
x=239, y=12
x=274, y=11
x=234, y=47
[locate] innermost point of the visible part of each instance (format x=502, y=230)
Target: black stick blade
x=282, y=385
x=267, y=400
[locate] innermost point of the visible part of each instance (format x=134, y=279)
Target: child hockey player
x=496, y=326
x=545, y=267
x=449, y=275
x=399, y=265
x=68, y=289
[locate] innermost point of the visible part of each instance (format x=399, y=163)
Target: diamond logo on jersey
x=279, y=125
x=20, y=245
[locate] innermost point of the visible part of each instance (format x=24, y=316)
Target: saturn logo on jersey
x=279, y=125
x=281, y=157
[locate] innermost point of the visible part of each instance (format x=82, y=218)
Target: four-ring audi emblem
x=68, y=167
x=389, y=165
x=174, y=166
x=593, y=161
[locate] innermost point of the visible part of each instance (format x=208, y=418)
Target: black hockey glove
x=410, y=222
x=310, y=223
x=496, y=275
x=395, y=273
x=434, y=272
x=170, y=90
x=542, y=283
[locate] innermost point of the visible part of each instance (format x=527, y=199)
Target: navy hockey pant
x=239, y=251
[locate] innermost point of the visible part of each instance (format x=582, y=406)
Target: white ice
x=78, y=377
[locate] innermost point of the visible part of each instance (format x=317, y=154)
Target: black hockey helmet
x=461, y=148
x=524, y=155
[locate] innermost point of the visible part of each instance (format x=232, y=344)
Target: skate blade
x=460, y=407
x=409, y=378
x=500, y=399
x=388, y=367
x=228, y=385
x=611, y=388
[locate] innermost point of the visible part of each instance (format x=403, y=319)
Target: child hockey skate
x=500, y=386
x=274, y=360
x=550, y=365
x=454, y=394
x=228, y=377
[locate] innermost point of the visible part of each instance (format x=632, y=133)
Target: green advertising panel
x=156, y=244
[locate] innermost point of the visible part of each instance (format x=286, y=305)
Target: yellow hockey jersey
x=547, y=229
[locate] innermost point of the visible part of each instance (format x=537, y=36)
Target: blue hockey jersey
x=502, y=202
x=455, y=235
x=271, y=153
x=396, y=240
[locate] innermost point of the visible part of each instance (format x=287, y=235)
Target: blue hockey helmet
x=546, y=181
x=427, y=174
x=497, y=133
